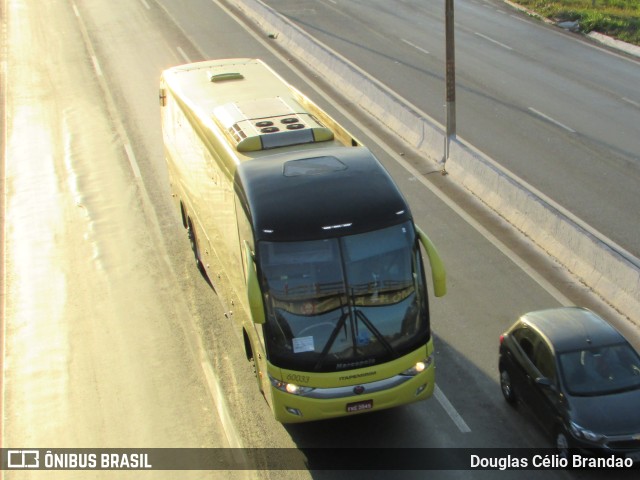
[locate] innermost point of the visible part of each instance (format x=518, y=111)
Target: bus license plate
x=359, y=406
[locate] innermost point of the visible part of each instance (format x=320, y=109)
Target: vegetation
x=617, y=18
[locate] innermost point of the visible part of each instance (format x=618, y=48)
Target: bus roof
x=308, y=195
x=253, y=106
x=213, y=83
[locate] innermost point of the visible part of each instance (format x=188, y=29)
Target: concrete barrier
x=609, y=271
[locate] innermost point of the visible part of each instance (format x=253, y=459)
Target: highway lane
x=137, y=332
x=98, y=346
x=92, y=340
x=558, y=111
x=388, y=429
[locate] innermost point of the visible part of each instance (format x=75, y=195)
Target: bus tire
x=251, y=357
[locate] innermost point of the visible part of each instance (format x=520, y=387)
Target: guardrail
x=607, y=269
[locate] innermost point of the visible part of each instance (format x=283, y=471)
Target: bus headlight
x=418, y=367
x=291, y=388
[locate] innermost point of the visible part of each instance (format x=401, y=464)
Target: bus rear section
x=309, y=237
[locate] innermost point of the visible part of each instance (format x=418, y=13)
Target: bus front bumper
x=290, y=408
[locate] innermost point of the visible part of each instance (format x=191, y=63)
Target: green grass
x=617, y=18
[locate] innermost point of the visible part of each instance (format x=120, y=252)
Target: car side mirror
x=544, y=382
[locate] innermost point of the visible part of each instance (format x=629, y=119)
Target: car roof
x=572, y=328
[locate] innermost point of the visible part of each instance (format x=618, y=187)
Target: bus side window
x=244, y=233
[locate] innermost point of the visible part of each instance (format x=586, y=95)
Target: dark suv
x=579, y=377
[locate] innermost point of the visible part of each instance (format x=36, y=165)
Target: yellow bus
x=303, y=231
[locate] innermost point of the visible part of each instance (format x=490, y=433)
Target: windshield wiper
x=360, y=315
x=342, y=322
x=376, y=333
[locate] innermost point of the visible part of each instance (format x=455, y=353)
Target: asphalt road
x=112, y=338
x=98, y=349
x=559, y=111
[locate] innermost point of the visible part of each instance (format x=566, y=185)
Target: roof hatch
x=224, y=76
x=270, y=123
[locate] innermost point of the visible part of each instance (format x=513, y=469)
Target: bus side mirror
x=438, y=273
x=253, y=287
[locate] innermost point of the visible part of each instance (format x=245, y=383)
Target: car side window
x=523, y=337
x=544, y=361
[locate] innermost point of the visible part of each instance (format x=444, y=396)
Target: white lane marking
x=632, y=102
x=451, y=411
x=492, y=40
x=415, y=46
x=132, y=160
x=96, y=65
x=552, y=120
x=219, y=399
x=184, y=55
x=145, y=4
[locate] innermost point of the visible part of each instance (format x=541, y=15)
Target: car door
x=544, y=388
x=521, y=360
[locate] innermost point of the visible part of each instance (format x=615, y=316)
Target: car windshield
x=343, y=303
x=601, y=371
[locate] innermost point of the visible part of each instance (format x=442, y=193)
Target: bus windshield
x=344, y=303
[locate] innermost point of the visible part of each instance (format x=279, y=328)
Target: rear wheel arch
x=248, y=349
x=253, y=360
x=193, y=239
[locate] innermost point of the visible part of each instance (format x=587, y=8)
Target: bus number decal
x=298, y=378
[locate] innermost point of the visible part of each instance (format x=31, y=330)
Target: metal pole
x=450, y=80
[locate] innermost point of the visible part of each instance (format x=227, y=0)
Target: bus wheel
x=194, y=245
x=252, y=359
